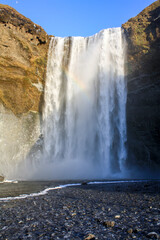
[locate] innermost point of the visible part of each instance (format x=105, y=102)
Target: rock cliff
x=23, y=60
x=143, y=81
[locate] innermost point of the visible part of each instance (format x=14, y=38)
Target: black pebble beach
x=99, y=211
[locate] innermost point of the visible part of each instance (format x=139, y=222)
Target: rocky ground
x=104, y=211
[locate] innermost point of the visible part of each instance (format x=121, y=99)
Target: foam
x=9, y=181
x=45, y=191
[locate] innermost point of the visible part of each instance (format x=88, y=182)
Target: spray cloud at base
x=84, y=115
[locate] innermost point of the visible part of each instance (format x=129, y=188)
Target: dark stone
x=143, y=84
x=84, y=183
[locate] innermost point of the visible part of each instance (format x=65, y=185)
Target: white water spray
x=84, y=117
x=85, y=100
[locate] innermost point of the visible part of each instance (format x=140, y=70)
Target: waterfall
x=84, y=119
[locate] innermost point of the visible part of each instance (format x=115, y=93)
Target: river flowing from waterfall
x=85, y=107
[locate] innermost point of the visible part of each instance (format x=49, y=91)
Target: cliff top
x=143, y=39
x=150, y=13
x=9, y=15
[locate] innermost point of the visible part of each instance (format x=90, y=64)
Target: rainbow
x=74, y=78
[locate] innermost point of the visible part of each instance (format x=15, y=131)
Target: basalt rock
x=143, y=82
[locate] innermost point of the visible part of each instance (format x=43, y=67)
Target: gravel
x=100, y=211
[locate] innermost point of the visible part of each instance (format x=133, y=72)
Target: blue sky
x=78, y=17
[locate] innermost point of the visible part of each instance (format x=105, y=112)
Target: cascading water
x=84, y=115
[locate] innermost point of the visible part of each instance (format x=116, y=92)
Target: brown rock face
x=143, y=76
x=23, y=59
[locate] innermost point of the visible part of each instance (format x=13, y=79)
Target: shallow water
x=13, y=189
x=26, y=189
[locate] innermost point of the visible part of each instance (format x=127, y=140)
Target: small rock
x=90, y=237
x=130, y=230
x=1, y=178
x=117, y=216
x=66, y=236
x=136, y=230
x=74, y=214
x=109, y=223
x=146, y=185
x=153, y=235
x=84, y=183
x=4, y=227
x=65, y=208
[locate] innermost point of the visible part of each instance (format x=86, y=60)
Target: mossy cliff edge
x=143, y=82
x=23, y=59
